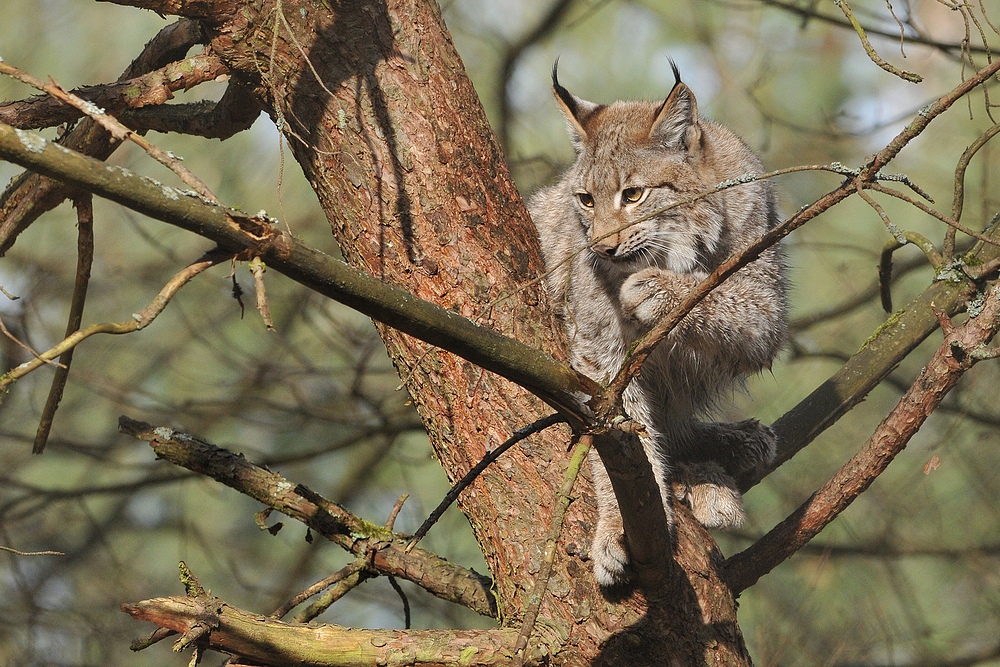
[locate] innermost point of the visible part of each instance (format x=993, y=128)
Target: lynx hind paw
x=759, y=444
x=610, y=559
x=710, y=493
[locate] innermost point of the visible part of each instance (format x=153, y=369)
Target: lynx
x=619, y=259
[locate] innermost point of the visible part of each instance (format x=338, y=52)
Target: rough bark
x=376, y=106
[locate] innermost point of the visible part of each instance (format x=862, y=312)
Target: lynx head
x=635, y=159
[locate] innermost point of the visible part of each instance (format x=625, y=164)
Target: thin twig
x=351, y=568
x=394, y=512
x=402, y=596
x=85, y=258
x=352, y=579
x=807, y=13
x=18, y=552
x=115, y=127
x=934, y=214
x=462, y=484
x=38, y=357
x=870, y=50
x=563, y=497
x=958, y=201
x=138, y=321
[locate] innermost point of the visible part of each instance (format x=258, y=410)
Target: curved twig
x=138, y=321
x=870, y=50
x=958, y=200
x=462, y=484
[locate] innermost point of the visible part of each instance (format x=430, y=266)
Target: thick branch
x=261, y=640
x=552, y=381
x=153, y=88
x=386, y=549
x=30, y=195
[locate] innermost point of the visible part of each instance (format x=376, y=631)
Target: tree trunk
x=375, y=104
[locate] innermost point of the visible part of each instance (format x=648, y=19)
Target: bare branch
x=960, y=350
x=113, y=126
x=554, y=382
x=267, y=641
x=386, y=549
x=154, y=88
x=85, y=259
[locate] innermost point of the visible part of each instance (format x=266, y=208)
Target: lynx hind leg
x=739, y=447
x=608, y=552
x=711, y=494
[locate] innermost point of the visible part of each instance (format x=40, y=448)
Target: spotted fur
x=619, y=260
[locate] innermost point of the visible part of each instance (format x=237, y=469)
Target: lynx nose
x=606, y=248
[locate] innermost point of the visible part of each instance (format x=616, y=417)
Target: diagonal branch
x=554, y=382
x=31, y=195
x=962, y=348
x=867, y=174
x=386, y=549
x=85, y=259
x=153, y=88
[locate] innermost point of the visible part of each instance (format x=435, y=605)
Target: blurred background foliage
x=907, y=576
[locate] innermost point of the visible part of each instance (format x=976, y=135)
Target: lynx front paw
x=648, y=295
x=610, y=557
x=711, y=494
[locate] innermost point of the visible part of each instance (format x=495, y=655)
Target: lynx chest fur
x=625, y=237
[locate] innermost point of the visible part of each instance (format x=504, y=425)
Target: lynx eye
x=632, y=195
x=586, y=199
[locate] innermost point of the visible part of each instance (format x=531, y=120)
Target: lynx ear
x=676, y=122
x=576, y=110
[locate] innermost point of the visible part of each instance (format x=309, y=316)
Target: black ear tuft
x=675, y=122
x=564, y=95
x=675, y=68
